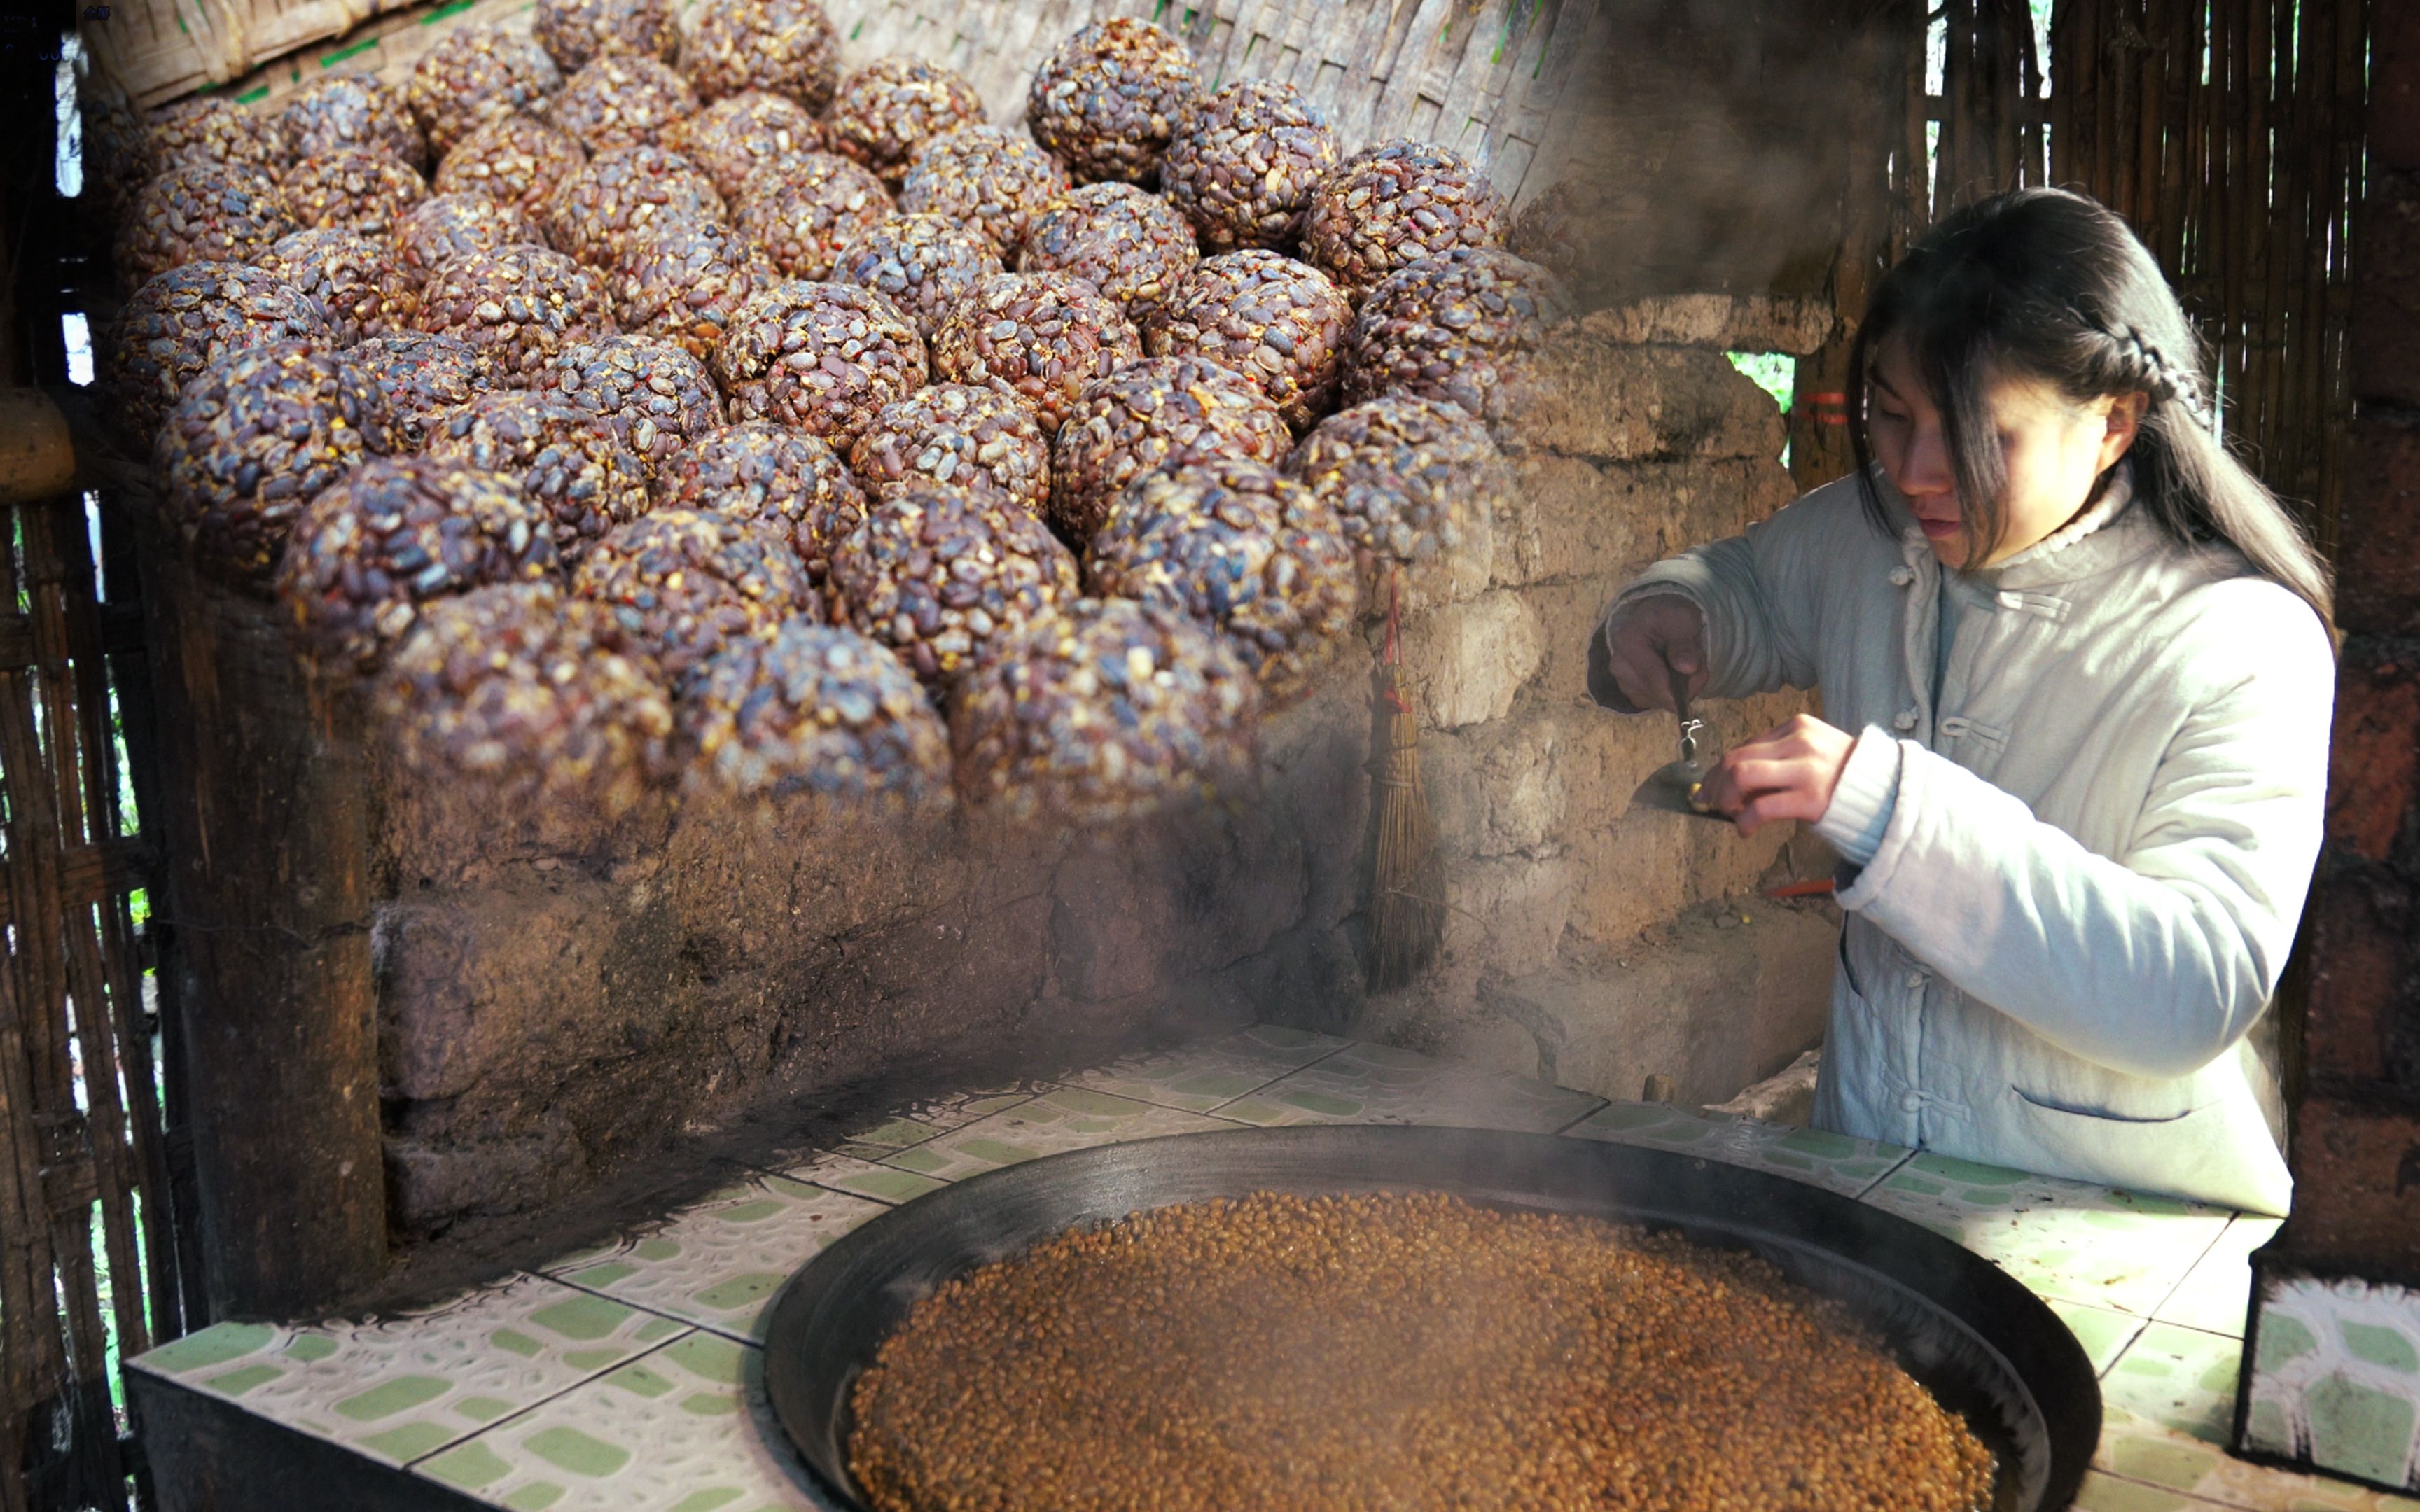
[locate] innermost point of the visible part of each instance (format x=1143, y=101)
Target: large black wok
x=1983, y=1344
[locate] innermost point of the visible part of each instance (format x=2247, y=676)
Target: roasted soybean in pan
x=1406, y=1351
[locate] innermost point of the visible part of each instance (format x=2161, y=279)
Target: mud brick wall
x=552, y=1000
x=2332, y=1353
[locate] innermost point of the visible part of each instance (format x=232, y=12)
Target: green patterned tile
x=2214, y=1294
x=397, y=1388
x=719, y=1262
x=2181, y=1379
x=2103, y=1493
x=2063, y=1239
x=2134, y=1448
x=1060, y=1119
x=683, y=1430
x=2335, y=1378
x=2104, y=1334
x=1834, y=1161
x=1379, y=1084
x=1199, y=1077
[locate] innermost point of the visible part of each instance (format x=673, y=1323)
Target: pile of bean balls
x=1079, y=443
x=1404, y=1352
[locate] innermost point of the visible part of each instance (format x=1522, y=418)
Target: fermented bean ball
x=620, y=101
x=736, y=135
x=184, y=321
x=213, y=129
x=568, y=463
x=986, y=178
x=1412, y=1351
x=684, y=280
x=1463, y=328
x=787, y=47
x=926, y=264
x=422, y=380
x=623, y=190
x=1393, y=204
x=121, y=154
x=200, y=212
x=1158, y=410
x=1108, y=100
x=354, y=279
x=1039, y=337
x=518, y=158
x=886, y=109
x=445, y=226
x=799, y=212
x=352, y=110
x=942, y=575
x=1245, y=161
x=1107, y=710
x=392, y=535
x=684, y=585
x=777, y=475
x=821, y=716
x=1280, y=323
x=359, y=189
x=1245, y=550
x=258, y=434
x=1404, y=475
x=573, y=32
x=961, y=436
x=655, y=396
x=519, y=306
x=475, y=74
x=1130, y=245
x=533, y=696
x=823, y=357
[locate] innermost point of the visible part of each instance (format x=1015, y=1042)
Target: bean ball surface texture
x=788, y=47
x=1409, y=479
x=682, y=281
x=1409, y=1351
x=777, y=475
x=445, y=226
x=927, y=265
x=1158, y=410
x=799, y=212
x=961, y=437
x=475, y=74
x=888, y=110
x=182, y=321
x=357, y=281
x=1130, y=245
x=519, y=306
x=686, y=585
x=1463, y=329
x=654, y=395
x=574, y=32
x=818, y=723
x=987, y=177
x=201, y=212
x=420, y=378
x=1039, y=337
x=567, y=461
x=941, y=575
x=352, y=110
x=360, y=189
x=1245, y=161
x=624, y=190
x=823, y=357
x=1280, y=323
x=1107, y=711
x=215, y=130
x=620, y=100
x=515, y=157
x=1393, y=205
x=1108, y=100
x=733, y=137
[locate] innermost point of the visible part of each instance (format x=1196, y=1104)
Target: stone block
x=2385, y=344
x=1625, y=404
x=2374, y=759
x=1134, y=909
x=431, y=1185
x=1466, y=662
x=1508, y=912
x=1721, y=323
x=2378, y=562
x=1572, y=521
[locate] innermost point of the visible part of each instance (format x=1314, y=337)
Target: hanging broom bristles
x=1407, y=882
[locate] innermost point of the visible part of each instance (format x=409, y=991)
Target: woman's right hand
x=1649, y=640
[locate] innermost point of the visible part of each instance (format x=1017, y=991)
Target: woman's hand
x=1651, y=640
x=1786, y=773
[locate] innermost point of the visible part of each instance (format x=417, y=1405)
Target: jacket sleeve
x=2156, y=961
x=1758, y=592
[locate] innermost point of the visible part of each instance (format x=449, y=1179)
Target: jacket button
x=1902, y=576
x=1903, y=719
x=1910, y=1100
x=1916, y=981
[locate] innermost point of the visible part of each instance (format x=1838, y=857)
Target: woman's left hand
x=1789, y=772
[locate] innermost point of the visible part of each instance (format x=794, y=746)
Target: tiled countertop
x=629, y=1378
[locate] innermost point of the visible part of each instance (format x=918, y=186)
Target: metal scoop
x=1673, y=788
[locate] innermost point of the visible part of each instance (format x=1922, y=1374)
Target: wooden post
x=267, y=825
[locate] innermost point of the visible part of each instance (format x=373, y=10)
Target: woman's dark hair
x=2051, y=285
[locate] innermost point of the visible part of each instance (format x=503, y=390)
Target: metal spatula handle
x=1690, y=724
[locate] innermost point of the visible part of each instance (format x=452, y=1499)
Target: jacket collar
x=2111, y=534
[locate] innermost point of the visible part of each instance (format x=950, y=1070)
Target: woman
x=2075, y=666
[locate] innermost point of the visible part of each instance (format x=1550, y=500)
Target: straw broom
x=1407, y=880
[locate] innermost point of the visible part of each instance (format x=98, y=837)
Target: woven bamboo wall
x=1480, y=75
x=2229, y=133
